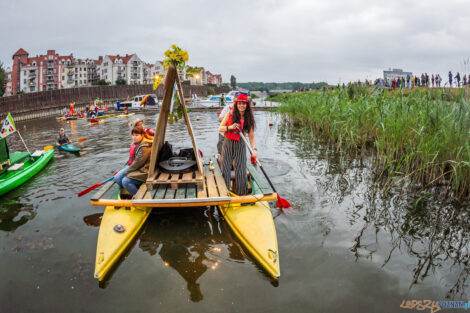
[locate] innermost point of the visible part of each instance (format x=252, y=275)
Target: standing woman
x=233, y=149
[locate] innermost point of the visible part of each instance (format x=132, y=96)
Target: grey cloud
x=254, y=40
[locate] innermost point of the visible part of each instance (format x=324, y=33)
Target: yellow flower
x=174, y=46
x=167, y=53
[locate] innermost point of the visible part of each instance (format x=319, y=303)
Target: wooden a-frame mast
x=160, y=130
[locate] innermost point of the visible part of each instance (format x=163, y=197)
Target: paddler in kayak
x=137, y=172
x=63, y=139
x=236, y=124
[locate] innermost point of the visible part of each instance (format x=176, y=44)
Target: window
x=24, y=81
x=24, y=72
x=63, y=77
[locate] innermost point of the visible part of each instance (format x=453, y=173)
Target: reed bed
x=420, y=136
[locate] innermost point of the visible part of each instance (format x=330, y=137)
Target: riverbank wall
x=48, y=103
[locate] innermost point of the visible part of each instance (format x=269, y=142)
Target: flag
x=8, y=126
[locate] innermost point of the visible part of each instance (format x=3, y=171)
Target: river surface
x=343, y=248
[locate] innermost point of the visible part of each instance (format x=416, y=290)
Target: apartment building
x=128, y=67
x=53, y=71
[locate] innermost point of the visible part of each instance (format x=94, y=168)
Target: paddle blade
x=81, y=139
x=84, y=192
x=46, y=148
x=283, y=203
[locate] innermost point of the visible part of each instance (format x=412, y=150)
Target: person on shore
x=413, y=80
x=118, y=105
x=236, y=124
x=457, y=78
x=63, y=139
x=450, y=79
x=125, y=111
x=432, y=80
x=137, y=172
x=464, y=79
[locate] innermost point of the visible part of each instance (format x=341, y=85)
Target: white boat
x=136, y=103
x=213, y=101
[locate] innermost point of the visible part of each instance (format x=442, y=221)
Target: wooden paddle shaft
x=257, y=161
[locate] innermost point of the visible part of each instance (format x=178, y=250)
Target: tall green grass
x=420, y=136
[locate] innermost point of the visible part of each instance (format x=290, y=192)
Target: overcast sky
x=269, y=40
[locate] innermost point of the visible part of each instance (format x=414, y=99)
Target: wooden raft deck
x=212, y=191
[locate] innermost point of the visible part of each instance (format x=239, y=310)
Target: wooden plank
x=199, y=180
x=154, y=175
x=191, y=191
x=160, y=193
x=188, y=176
x=141, y=192
x=174, y=180
x=102, y=190
x=160, y=128
x=259, y=179
x=211, y=186
x=163, y=177
x=201, y=189
x=181, y=191
x=219, y=179
x=170, y=193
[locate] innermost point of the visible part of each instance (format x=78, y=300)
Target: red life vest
x=233, y=134
x=132, y=154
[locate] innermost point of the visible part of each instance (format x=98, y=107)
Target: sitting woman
x=233, y=149
x=137, y=172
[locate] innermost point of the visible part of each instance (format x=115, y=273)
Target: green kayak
x=11, y=179
x=69, y=148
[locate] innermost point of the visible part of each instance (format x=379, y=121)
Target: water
x=344, y=248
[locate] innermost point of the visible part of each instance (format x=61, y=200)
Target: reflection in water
x=93, y=219
x=13, y=215
x=434, y=233
x=190, y=241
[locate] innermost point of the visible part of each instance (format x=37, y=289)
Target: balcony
x=69, y=65
x=70, y=73
x=50, y=65
x=32, y=74
x=32, y=84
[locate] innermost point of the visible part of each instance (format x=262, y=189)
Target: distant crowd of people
x=435, y=80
